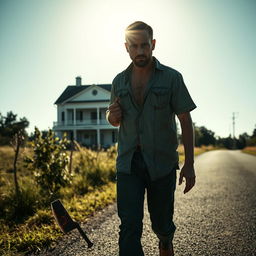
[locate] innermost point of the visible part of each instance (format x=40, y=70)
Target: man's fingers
x=190, y=182
x=118, y=115
x=117, y=100
x=115, y=106
x=187, y=187
x=181, y=178
x=115, y=111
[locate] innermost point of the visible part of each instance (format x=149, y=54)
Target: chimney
x=78, y=81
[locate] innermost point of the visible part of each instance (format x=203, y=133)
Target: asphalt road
x=218, y=217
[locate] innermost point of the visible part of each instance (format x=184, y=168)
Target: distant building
x=81, y=113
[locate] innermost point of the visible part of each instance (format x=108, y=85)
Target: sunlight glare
x=114, y=35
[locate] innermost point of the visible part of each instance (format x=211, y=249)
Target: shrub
x=13, y=208
x=93, y=169
x=49, y=163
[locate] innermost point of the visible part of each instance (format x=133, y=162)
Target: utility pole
x=234, y=116
x=234, y=123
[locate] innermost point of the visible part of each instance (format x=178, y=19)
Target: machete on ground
x=65, y=221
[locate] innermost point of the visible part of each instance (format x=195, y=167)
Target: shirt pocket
x=160, y=97
x=125, y=101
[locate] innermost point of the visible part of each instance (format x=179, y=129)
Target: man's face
x=139, y=46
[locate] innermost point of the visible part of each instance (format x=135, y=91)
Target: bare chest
x=138, y=88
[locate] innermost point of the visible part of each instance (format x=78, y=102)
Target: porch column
x=74, y=115
x=98, y=138
x=75, y=134
x=98, y=115
x=66, y=117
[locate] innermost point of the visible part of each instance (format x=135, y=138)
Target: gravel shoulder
x=218, y=217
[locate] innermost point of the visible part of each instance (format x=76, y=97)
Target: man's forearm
x=188, y=140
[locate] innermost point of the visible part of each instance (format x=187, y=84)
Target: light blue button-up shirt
x=151, y=125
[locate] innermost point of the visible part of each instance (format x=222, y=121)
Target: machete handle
x=85, y=237
x=65, y=222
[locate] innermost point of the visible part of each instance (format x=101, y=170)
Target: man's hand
x=115, y=113
x=187, y=172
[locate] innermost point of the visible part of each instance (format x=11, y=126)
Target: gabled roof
x=72, y=90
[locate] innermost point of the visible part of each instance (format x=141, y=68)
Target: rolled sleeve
x=181, y=100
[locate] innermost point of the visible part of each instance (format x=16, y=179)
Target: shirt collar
x=158, y=65
x=128, y=71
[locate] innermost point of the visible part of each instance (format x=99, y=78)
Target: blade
x=62, y=217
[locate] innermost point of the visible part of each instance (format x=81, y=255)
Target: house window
x=62, y=116
x=102, y=138
x=81, y=116
x=94, y=117
x=94, y=92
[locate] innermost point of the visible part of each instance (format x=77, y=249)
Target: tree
x=254, y=133
x=198, y=135
x=16, y=143
x=252, y=139
x=203, y=136
x=225, y=142
x=242, y=141
x=9, y=126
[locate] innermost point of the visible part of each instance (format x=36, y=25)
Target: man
x=144, y=101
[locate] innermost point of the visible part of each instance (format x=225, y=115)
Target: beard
x=141, y=61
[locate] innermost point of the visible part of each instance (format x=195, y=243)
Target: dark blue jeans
x=130, y=200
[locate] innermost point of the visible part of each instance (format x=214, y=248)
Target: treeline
x=9, y=126
x=206, y=137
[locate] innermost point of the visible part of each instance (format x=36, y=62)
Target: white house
x=81, y=113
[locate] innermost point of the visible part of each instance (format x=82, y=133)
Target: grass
x=26, y=222
x=92, y=189
x=41, y=230
x=197, y=151
x=250, y=150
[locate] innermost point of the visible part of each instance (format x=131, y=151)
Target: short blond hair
x=139, y=25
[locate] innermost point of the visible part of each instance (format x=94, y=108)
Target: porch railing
x=80, y=123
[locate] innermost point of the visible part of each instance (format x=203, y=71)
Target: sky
x=45, y=44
